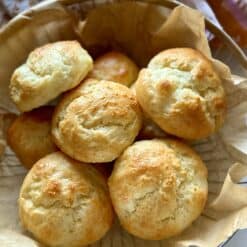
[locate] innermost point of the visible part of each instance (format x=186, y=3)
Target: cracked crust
x=115, y=66
x=29, y=136
x=96, y=121
x=182, y=93
x=158, y=188
x=60, y=200
x=49, y=71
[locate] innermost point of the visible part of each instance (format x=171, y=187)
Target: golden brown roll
x=49, y=71
x=64, y=202
x=96, y=121
x=29, y=136
x=158, y=188
x=115, y=66
x=182, y=93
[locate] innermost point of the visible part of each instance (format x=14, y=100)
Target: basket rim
x=229, y=42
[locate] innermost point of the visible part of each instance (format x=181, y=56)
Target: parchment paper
x=139, y=30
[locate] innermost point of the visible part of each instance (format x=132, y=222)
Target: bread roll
x=115, y=66
x=182, y=93
x=158, y=188
x=29, y=136
x=49, y=71
x=150, y=129
x=96, y=121
x=65, y=203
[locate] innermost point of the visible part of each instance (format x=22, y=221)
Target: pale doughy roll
x=96, y=121
x=158, y=188
x=49, y=70
x=64, y=202
x=182, y=93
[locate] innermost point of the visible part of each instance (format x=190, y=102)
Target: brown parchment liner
x=140, y=30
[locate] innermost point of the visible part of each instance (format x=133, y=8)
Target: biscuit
x=64, y=202
x=115, y=66
x=96, y=121
x=150, y=129
x=158, y=188
x=182, y=93
x=49, y=71
x=29, y=136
